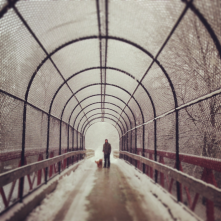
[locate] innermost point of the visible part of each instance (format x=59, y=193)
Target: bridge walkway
x=100, y=194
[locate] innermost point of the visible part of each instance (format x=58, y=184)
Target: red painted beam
x=12, y=155
x=205, y=162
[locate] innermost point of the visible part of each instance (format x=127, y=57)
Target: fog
x=97, y=133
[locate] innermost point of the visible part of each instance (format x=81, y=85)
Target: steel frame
x=189, y=5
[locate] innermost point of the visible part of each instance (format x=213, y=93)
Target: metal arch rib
x=109, y=85
x=101, y=113
x=106, y=95
x=98, y=108
x=111, y=68
x=101, y=116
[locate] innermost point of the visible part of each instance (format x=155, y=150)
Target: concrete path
x=111, y=198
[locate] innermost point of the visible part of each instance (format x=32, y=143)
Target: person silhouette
x=107, y=151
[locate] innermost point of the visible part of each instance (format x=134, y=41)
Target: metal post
x=143, y=147
x=131, y=140
x=68, y=146
x=135, y=145
x=59, y=163
x=21, y=181
x=177, y=155
x=47, y=148
x=72, y=149
x=155, y=147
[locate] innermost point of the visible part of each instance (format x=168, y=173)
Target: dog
x=99, y=163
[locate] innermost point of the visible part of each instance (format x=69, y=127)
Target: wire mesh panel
x=149, y=136
x=134, y=141
x=77, y=57
x=44, y=86
x=74, y=114
x=175, y=54
x=71, y=131
x=200, y=136
x=131, y=115
x=93, y=89
x=64, y=136
x=17, y=50
x=121, y=143
x=75, y=139
x=144, y=22
x=60, y=100
x=11, y=123
x=119, y=78
x=36, y=134
x=82, y=118
x=137, y=111
x=159, y=89
x=54, y=134
x=113, y=106
x=69, y=109
x=143, y=99
x=79, y=140
x=115, y=100
x=90, y=100
x=136, y=61
x=166, y=133
x=192, y=62
x=60, y=26
x=211, y=11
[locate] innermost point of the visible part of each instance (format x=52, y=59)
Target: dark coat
x=107, y=148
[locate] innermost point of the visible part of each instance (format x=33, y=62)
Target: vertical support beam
x=155, y=147
x=177, y=154
x=77, y=139
x=47, y=148
x=143, y=147
x=59, y=152
x=72, y=158
x=131, y=140
x=135, y=140
x=136, y=146
x=68, y=159
x=127, y=141
x=127, y=145
x=21, y=181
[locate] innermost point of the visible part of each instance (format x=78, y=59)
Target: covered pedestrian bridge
x=150, y=68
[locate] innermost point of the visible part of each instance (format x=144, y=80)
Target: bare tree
x=195, y=68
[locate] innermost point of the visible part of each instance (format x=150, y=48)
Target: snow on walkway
x=78, y=195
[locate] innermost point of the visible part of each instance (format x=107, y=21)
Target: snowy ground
x=159, y=202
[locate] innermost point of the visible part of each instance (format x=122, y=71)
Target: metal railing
x=206, y=187
x=35, y=173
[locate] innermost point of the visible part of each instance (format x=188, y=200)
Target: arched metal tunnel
x=150, y=68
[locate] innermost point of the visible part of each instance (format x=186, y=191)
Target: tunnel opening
x=151, y=71
x=98, y=132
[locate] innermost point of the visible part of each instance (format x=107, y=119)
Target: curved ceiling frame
x=189, y=4
x=89, y=85
x=95, y=102
x=124, y=72
x=101, y=109
x=96, y=37
x=101, y=113
x=101, y=116
x=98, y=122
x=94, y=68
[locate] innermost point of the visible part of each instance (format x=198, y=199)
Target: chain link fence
x=150, y=68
